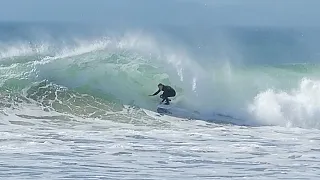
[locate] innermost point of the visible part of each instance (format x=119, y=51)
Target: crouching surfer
x=168, y=91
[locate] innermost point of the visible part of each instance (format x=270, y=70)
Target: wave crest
x=298, y=107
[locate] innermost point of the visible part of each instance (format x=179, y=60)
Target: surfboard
x=172, y=110
x=161, y=108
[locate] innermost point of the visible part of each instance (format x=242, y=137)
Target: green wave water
x=98, y=77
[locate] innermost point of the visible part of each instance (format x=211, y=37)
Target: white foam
x=298, y=107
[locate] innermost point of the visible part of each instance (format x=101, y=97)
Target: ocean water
x=74, y=102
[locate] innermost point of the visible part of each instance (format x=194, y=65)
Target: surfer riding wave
x=168, y=91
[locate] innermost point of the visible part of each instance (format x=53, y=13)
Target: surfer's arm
x=155, y=93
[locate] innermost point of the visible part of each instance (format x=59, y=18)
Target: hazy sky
x=199, y=12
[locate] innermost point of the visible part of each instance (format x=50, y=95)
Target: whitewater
x=74, y=104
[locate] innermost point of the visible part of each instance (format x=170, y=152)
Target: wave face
x=269, y=77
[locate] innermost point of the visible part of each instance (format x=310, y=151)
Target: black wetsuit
x=167, y=92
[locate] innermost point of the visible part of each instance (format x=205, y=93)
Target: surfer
x=168, y=91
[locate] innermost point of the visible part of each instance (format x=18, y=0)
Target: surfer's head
x=160, y=86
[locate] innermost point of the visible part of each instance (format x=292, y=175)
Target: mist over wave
x=95, y=75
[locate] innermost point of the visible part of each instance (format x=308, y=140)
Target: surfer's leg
x=164, y=97
x=170, y=94
x=167, y=101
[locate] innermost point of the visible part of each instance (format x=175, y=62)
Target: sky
x=157, y=12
